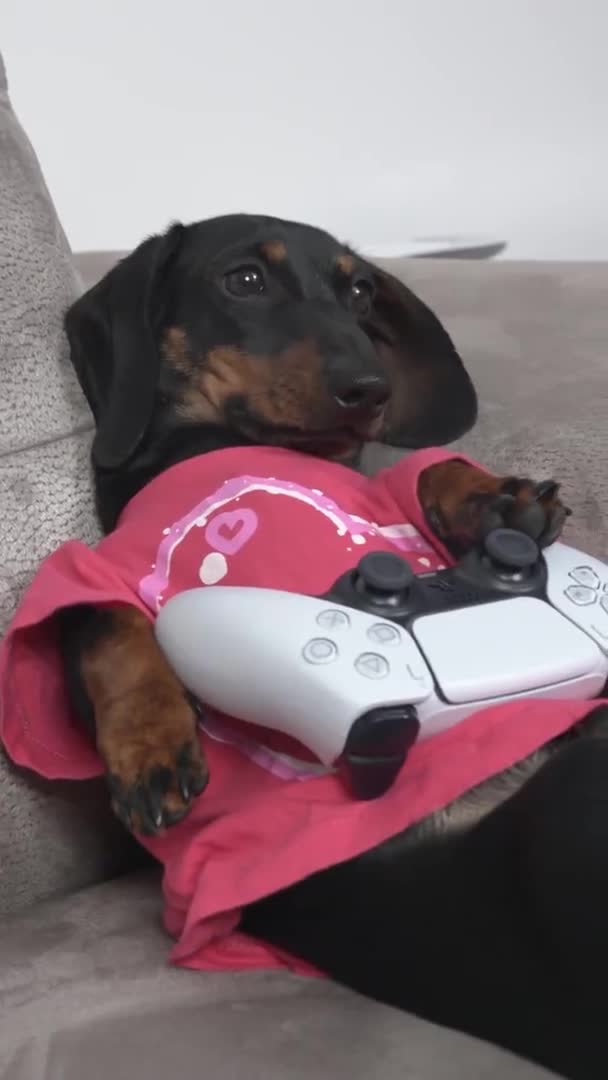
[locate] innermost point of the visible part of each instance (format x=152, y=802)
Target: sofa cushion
x=51, y=839
x=84, y=991
x=40, y=399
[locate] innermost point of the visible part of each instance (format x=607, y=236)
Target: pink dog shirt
x=268, y=517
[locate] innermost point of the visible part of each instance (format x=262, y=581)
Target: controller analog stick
x=384, y=574
x=511, y=550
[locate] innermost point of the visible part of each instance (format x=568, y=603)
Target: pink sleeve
x=37, y=727
x=401, y=481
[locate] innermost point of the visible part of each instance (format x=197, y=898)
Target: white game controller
x=387, y=657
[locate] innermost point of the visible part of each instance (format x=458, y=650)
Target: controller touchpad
x=507, y=647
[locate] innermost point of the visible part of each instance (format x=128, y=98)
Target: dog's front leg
x=462, y=503
x=144, y=722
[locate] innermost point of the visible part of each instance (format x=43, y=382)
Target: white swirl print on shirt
x=236, y=528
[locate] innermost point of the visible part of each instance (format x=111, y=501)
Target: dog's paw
x=463, y=504
x=533, y=508
x=153, y=758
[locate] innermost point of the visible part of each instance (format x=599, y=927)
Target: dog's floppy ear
x=433, y=399
x=113, y=332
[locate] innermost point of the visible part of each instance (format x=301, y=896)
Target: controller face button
x=320, y=651
x=333, y=619
x=581, y=595
x=384, y=634
x=584, y=575
x=372, y=666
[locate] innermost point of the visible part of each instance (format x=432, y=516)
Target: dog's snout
x=365, y=393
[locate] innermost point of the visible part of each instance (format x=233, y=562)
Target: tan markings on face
x=346, y=264
x=274, y=250
x=176, y=351
x=190, y=404
x=281, y=389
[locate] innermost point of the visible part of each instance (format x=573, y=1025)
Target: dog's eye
x=245, y=281
x=361, y=296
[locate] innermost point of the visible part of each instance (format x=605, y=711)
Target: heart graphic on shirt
x=229, y=531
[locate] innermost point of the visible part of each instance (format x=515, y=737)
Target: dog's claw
x=198, y=784
x=546, y=489
x=161, y=796
x=190, y=781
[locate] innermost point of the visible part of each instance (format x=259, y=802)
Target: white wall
x=379, y=119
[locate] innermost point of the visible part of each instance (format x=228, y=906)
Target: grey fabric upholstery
x=46, y=846
x=84, y=992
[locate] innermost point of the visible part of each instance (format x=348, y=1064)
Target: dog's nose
x=366, y=393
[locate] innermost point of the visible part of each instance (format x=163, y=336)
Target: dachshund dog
x=240, y=331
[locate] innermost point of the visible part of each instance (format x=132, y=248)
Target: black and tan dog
x=250, y=330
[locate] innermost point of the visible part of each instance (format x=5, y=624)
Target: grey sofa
x=85, y=990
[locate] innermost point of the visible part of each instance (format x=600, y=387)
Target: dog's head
x=271, y=329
